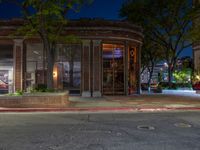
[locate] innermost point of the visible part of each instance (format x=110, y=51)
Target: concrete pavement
x=111, y=131
x=134, y=103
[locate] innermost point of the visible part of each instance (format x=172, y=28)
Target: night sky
x=106, y=9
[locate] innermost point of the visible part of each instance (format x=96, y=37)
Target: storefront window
x=35, y=69
x=6, y=69
x=68, y=67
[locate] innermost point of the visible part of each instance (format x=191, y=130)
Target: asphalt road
x=62, y=131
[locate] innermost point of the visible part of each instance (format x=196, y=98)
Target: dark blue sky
x=107, y=9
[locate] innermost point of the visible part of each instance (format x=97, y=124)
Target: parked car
x=3, y=87
x=154, y=85
x=144, y=86
x=196, y=86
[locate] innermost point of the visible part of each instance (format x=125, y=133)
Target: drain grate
x=145, y=127
x=183, y=125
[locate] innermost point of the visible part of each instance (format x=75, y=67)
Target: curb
x=100, y=109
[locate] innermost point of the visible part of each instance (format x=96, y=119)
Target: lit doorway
x=113, y=69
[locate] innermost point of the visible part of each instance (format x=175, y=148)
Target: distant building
x=160, y=72
x=105, y=62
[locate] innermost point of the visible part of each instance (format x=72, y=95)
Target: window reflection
x=6, y=69
x=113, y=69
x=35, y=66
x=68, y=65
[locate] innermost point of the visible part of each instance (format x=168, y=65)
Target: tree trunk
x=50, y=65
x=71, y=71
x=170, y=71
x=150, y=77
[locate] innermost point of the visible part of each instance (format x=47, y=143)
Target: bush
x=41, y=88
x=182, y=76
x=19, y=92
x=165, y=85
x=50, y=90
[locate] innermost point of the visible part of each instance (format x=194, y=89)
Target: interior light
x=55, y=74
x=198, y=77
x=36, y=52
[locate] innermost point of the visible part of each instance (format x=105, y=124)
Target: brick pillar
x=18, y=64
x=86, y=69
x=126, y=67
x=139, y=48
x=96, y=86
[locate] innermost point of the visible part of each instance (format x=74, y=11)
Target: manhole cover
x=145, y=127
x=183, y=125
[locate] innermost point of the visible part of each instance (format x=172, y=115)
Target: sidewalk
x=134, y=103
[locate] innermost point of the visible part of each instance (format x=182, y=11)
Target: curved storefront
x=105, y=61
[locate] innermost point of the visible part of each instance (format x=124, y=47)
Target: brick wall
x=18, y=68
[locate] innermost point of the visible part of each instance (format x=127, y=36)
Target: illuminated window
x=6, y=69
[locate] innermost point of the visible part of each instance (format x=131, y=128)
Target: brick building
x=106, y=61
x=196, y=46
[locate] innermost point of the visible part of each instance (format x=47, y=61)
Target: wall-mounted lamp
x=55, y=74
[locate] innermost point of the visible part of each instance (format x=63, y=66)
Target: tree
x=47, y=19
x=151, y=55
x=167, y=23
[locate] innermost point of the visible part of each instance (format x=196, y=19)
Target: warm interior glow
x=55, y=74
x=198, y=77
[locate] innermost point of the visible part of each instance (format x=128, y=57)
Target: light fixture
x=55, y=74
x=36, y=52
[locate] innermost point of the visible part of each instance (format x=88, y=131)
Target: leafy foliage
x=182, y=76
x=167, y=23
x=47, y=19
x=196, y=76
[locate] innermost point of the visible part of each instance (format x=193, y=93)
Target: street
x=104, y=131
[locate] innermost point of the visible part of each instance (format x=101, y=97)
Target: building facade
x=196, y=46
x=196, y=53
x=105, y=61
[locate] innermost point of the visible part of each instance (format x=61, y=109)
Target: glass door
x=113, y=69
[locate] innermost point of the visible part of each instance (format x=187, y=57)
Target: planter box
x=178, y=92
x=36, y=100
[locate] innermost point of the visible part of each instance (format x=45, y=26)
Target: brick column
x=18, y=64
x=139, y=48
x=86, y=69
x=96, y=88
x=126, y=68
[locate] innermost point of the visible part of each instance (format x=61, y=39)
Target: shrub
x=19, y=92
x=182, y=76
x=41, y=88
x=50, y=90
x=165, y=85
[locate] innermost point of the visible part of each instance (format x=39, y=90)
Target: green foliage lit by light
x=196, y=76
x=183, y=76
